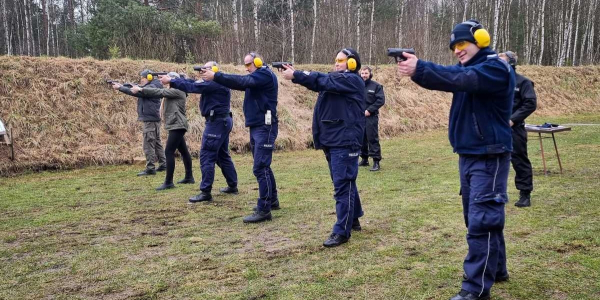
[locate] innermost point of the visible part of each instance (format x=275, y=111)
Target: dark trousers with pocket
x=176, y=141
x=152, y=146
x=215, y=150
x=370, y=146
x=262, y=144
x=483, y=181
x=520, y=160
x=343, y=168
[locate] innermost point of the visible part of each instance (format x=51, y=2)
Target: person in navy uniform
x=338, y=128
x=525, y=103
x=215, y=106
x=260, y=112
x=479, y=131
x=375, y=100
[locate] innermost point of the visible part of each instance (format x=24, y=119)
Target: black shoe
x=356, y=225
x=258, y=217
x=364, y=162
x=161, y=169
x=501, y=278
x=229, y=190
x=147, y=172
x=375, y=166
x=335, y=240
x=165, y=186
x=274, y=206
x=186, y=181
x=465, y=295
x=201, y=197
x=524, y=200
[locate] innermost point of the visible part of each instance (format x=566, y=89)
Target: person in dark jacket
x=260, y=112
x=482, y=85
x=338, y=128
x=375, y=100
x=148, y=110
x=215, y=108
x=177, y=125
x=525, y=103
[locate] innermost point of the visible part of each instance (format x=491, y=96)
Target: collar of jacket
x=479, y=56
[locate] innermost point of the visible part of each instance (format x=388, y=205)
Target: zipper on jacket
x=477, y=129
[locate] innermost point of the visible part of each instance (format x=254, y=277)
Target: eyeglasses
x=340, y=60
x=462, y=45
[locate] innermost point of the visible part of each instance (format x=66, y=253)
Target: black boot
x=161, y=169
x=524, y=199
x=375, y=166
x=229, y=190
x=356, y=225
x=335, y=240
x=201, y=197
x=165, y=186
x=274, y=205
x=466, y=295
x=147, y=172
x=187, y=181
x=257, y=217
x=364, y=162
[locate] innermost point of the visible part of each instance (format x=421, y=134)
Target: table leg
x=557, y=156
x=543, y=157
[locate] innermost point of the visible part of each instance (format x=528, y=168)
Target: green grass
x=103, y=233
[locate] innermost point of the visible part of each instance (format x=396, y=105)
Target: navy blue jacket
x=339, y=116
x=261, y=93
x=148, y=109
x=482, y=103
x=214, y=96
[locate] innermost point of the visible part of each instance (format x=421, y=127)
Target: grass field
x=103, y=233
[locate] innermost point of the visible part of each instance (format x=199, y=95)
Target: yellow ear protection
x=257, y=61
x=481, y=36
x=149, y=77
x=351, y=63
x=215, y=67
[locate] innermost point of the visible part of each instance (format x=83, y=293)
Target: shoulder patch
x=306, y=73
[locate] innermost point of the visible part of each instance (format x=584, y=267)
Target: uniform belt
x=218, y=116
x=485, y=156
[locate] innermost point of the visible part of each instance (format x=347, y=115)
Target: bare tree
x=256, y=33
x=371, y=31
x=574, y=59
x=234, y=17
x=496, y=16
x=291, y=4
x=314, y=30
x=542, y=37
x=358, y=26
x=7, y=41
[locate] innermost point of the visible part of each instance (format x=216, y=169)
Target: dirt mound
x=63, y=114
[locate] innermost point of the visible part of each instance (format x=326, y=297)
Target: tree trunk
x=496, y=15
x=358, y=26
x=28, y=37
x=5, y=24
x=542, y=27
x=291, y=5
x=574, y=59
x=465, y=11
x=314, y=31
x=235, y=30
x=371, y=31
x=400, y=19
x=256, y=33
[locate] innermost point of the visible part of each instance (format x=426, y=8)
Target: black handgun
x=201, y=69
x=397, y=53
x=156, y=74
x=110, y=82
x=279, y=64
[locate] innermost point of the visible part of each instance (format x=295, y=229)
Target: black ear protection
x=481, y=36
x=351, y=62
x=256, y=60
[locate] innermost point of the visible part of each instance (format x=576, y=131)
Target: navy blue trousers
x=483, y=181
x=215, y=150
x=262, y=144
x=343, y=168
